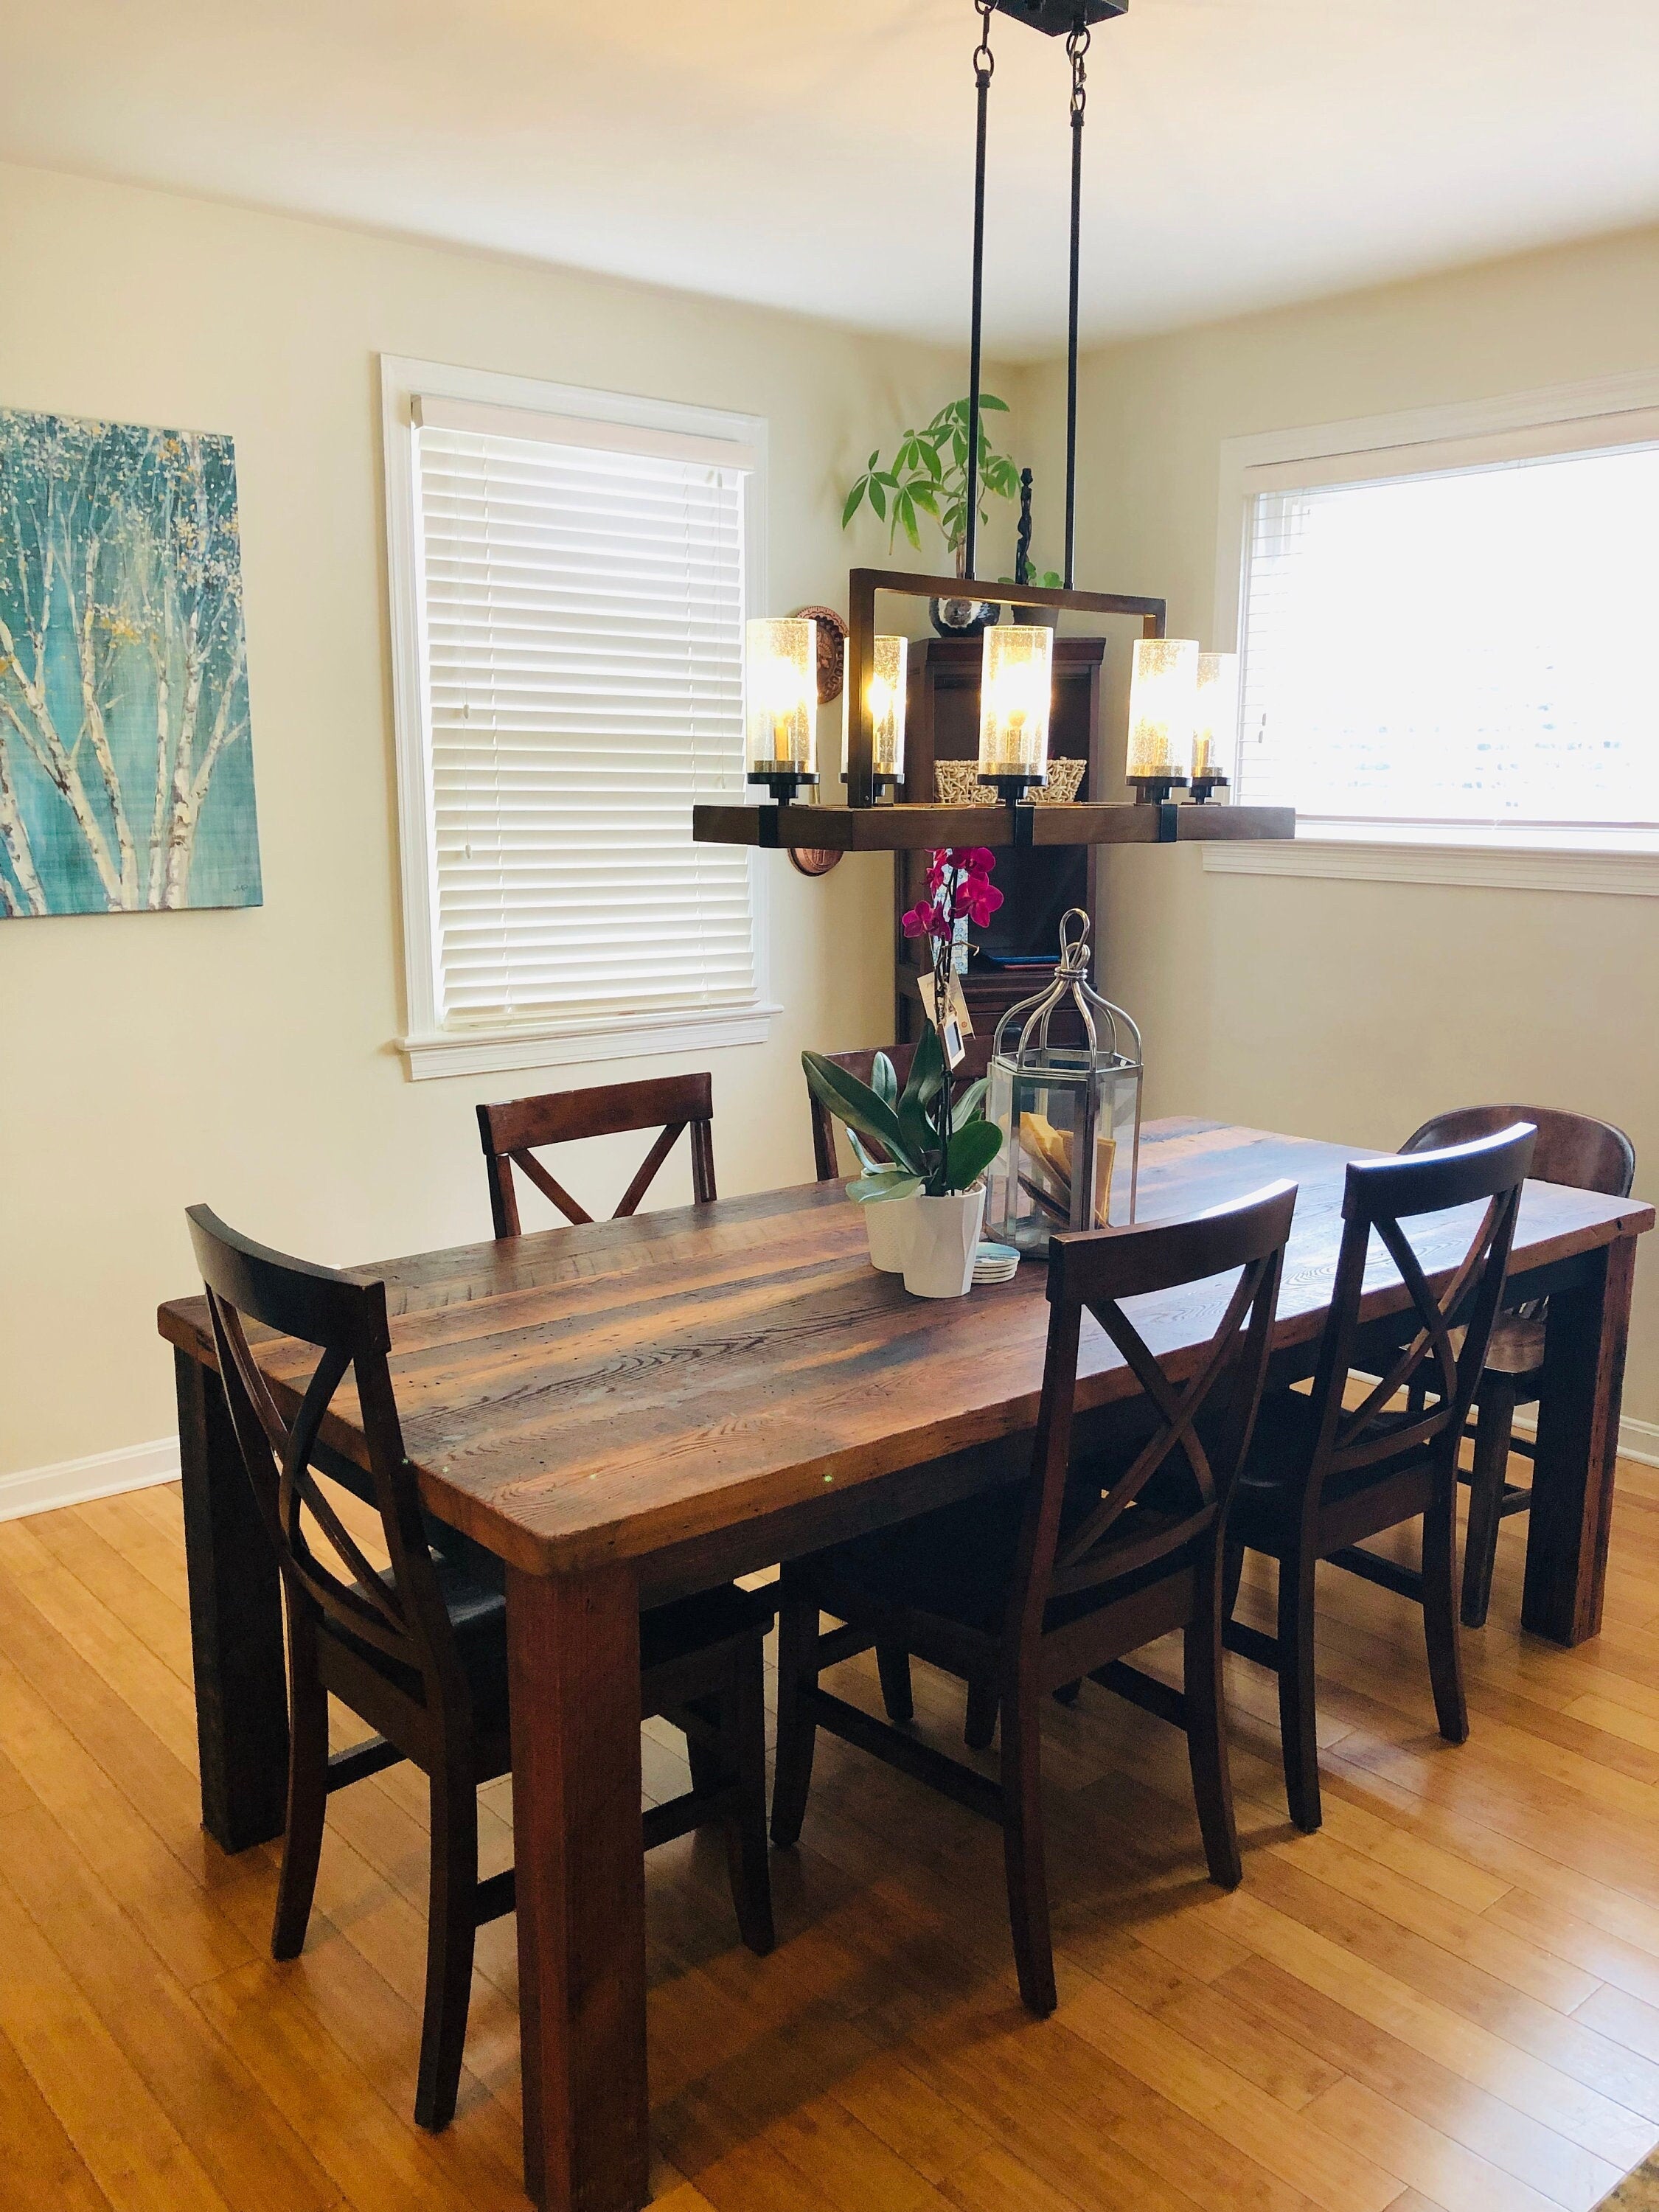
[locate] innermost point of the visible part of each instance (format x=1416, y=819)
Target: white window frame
x=1618, y=411
x=430, y=1049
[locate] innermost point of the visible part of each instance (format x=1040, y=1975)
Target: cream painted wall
x=1350, y=1010
x=244, y=1058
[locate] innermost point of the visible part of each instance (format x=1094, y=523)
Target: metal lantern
x=1070, y=1115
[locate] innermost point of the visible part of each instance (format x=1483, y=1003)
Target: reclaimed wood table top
x=613, y=1390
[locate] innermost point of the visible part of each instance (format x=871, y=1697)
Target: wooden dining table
x=627, y=1410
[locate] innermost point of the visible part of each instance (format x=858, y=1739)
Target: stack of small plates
x=995, y=1263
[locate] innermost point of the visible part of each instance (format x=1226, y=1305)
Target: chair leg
x=797, y=1670
x=1298, y=1708
x=452, y=1926
x=1440, y=1609
x=1494, y=1424
x=307, y=1791
x=1207, y=1730
x=743, y=1727
x=980, y=1724
x=893, y=1665
x=1232, y=1574
x=1023, y=1852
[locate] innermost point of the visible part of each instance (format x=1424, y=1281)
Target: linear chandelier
x=1166, y=712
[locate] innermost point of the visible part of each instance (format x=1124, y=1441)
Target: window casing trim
x=428, y=1047
x=1565, y=419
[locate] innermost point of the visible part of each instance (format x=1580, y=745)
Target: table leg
x=573, y=1662
x=1582, y=1384
x=235, y=1624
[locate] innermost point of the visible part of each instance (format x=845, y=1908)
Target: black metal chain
x=984, y=67
x=1076, y=49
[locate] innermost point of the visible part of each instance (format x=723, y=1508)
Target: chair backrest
x=403, y=1619
x=1380, y=1196
x=1200, y=1426
x=670, y=1104
x=861, y=1063
x=1574, y=1149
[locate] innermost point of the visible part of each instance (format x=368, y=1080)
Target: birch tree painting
x=126, y=770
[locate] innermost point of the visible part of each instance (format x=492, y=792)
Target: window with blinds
x=582, y=602
x=1465, y=646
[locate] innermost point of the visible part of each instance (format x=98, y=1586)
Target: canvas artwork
x=126, y=768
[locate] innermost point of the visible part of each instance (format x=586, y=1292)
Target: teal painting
x=126, y=768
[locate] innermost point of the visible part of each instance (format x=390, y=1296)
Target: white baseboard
x=1637, y=1440
x=100, y=1475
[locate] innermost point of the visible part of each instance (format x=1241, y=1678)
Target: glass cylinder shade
x=1162, y=706
x=1215, y=722
x=1015, y=686
x=781, y=696
x=885, y=697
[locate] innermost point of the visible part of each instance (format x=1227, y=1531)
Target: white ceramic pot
x=887, y=1224
x=943, y=1240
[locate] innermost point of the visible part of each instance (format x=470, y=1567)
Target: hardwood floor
x=1449, y=1998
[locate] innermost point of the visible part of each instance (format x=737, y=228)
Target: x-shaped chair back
x=325, y=1570
x=1379, y=1197
x=1098, y=1271
x=511, y=1133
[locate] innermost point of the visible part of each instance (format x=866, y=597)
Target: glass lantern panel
x=1055, y=1110
x=780, y=695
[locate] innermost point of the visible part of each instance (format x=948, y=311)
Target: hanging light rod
x=1014, y=704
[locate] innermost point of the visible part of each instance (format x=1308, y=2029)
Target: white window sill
x=1538, y=859
x=495, y=1052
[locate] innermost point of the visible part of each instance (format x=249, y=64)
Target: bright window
x=1471, y=648
x=577, y=579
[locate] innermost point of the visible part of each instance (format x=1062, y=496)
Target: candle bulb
x=1215, y=721
x=884, y=697
x=1016, y=687
x=1163, y=711
x=781, y=701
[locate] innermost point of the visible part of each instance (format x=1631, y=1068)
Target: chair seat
x=1269, y=1493
x=957, y=1563
x=1518, y=1345
x=470, y=1583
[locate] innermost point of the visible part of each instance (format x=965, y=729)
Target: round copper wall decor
x=832, y=651
x=813, y=859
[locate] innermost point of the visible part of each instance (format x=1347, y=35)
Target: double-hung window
x=570, y=574
x=1445, y=622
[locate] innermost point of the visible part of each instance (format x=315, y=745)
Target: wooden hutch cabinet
x=1011, y=959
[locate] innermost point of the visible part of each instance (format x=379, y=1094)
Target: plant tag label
x=954, y=1015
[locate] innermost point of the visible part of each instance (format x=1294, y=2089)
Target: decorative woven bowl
x=955, y=783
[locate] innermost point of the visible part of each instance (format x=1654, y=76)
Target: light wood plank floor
x=1449, y=1998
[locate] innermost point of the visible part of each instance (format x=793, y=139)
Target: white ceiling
x=815, y=155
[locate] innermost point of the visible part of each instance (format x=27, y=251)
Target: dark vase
x=962, y=617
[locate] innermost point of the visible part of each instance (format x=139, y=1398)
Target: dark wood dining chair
x=1321, y=1475
x=418, y=1648
x=861, y=1063
x=513, y=1134
x=1044, y=1582
x=1585, y=1154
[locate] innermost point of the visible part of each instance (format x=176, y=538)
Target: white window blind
x=1469, y=647
x=583, y=609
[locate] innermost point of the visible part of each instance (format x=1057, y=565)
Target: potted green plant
x=931, y=1149
x=928, y=477
x=924, y=1202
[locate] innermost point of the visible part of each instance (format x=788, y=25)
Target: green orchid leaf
x=883, y=1079
x=865, y=1159
x=971, y=1104
x=875, y=1190
x=854, y=1104
x=918, y=1139
x=972, y=1151
x=927, y=1070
